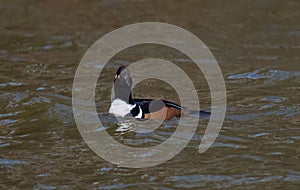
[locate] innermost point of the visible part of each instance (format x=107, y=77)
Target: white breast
x=120, y=107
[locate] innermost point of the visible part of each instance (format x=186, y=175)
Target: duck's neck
x=123, y=94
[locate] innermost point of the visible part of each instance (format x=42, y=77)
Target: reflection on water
x=256, y=44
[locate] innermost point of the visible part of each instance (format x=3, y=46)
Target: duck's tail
x=199, y=113
x=186, y=111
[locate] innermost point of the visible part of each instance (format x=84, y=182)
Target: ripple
x=11, y=84
x=221, y=181
x=277, y=75
x=229, y=145
x=293, y=176
x=260, y=57
x=48, y=187
x=275, y=99
x=249, y=75
x=120, y=186
x=48, y=47
x=106, y=169
x=4, y=161
x=10, y=114
x=41, y=89
x=7, y=121
x=260, y=135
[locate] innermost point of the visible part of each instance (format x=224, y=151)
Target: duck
x=124, y=105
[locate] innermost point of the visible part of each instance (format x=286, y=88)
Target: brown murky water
x=257, y=44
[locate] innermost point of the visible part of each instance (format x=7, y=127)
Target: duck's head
x=122, y=84
x=123, y=77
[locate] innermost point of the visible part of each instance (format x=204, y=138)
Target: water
x=255, y=42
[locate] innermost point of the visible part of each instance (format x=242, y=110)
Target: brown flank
x=165, y=113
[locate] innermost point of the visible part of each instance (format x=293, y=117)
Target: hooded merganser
x=124, y=105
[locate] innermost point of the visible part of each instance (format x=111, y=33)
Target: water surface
x=256, y=43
